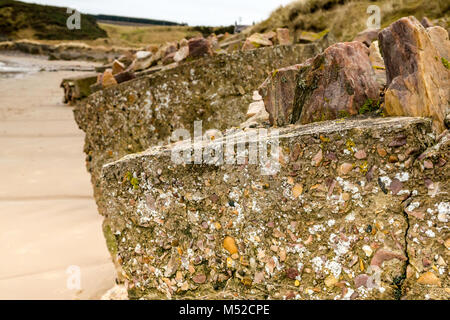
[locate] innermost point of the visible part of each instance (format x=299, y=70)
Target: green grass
x=345, y=18
x=445, y=63
x=369, y=106
x=47, y=24
x=43, y=23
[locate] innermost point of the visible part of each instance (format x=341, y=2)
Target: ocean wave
x=16, y=69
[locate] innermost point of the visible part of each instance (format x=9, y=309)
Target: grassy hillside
x=24, y=20
x=20, y=20
x=348, y=17
x=134, y=21
x=138, y=36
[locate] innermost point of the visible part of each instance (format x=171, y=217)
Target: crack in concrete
x=400, y=283
x=399, y=292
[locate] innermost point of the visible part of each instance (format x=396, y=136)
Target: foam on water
x=10, y=70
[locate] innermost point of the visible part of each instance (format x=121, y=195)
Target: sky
x=193, y=12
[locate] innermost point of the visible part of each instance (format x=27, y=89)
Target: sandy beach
x=48, y=217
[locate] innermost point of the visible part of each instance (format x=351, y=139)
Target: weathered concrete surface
x=311, y=231
x=135, y=115
x=428, y=210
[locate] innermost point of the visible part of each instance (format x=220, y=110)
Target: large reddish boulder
x=417, y=78
x=335, y=84
x=199, y=47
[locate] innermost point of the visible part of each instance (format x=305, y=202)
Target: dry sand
x=48, y=217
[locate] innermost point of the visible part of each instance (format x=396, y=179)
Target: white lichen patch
x=339, y=245
x=334, y=268
x=350, y=217
x=402, y=176
x=443, y=210
x=413, y=206
x=367, y=250
x=386, y=180
x=316, y=228
x=430, y=233
x=317, y=264
x=255, y=207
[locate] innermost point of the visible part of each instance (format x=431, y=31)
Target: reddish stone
x=361, y=280
x=124, y=76
x=360, y=154
x=283, y=36
x=398, y=142
x=292, y=273
x=335, y=84
x=396, y=186
x=199, y=47
x=199, y=278
x=383, y=255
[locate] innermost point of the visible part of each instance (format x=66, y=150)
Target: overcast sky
x=194, y=12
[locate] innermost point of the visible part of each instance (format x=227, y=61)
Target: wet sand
x=48, y=217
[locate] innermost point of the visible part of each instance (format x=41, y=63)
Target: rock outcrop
x=108, y=79
x=278, y=92
x=377, y=63
x=308, y=231
x=143, y=60
x=418, y=82
x=308, y=36
x=334, y=84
